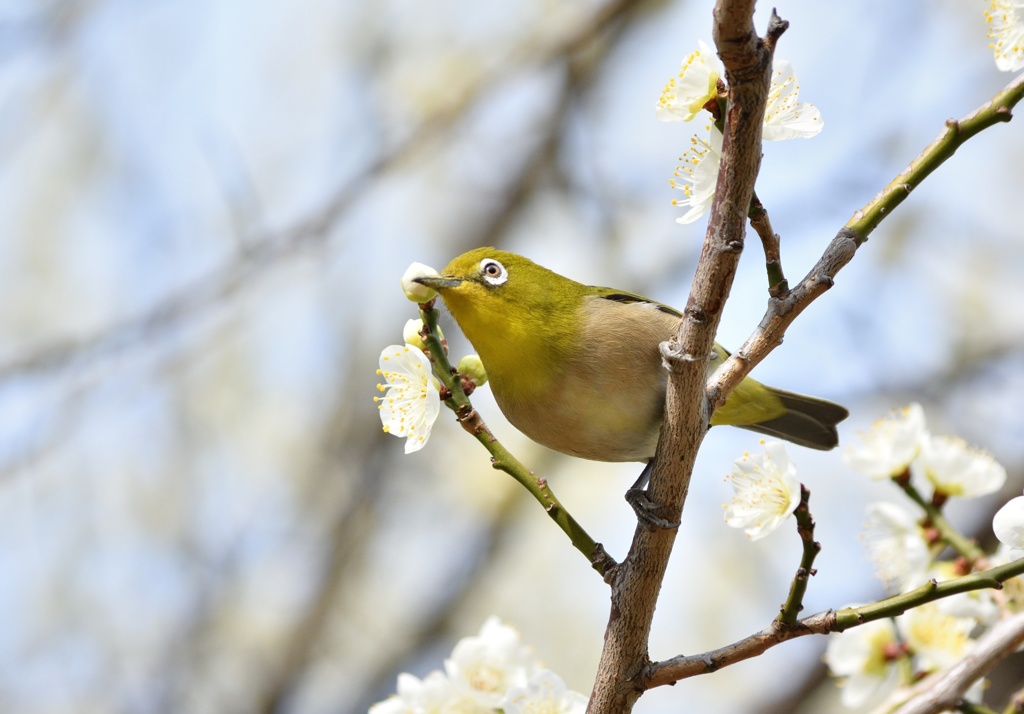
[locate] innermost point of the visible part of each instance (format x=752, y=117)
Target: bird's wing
x=624, y=297
x=720, y=353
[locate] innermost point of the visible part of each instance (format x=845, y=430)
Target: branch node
x=776, y=26
x=672, y=358
x=695, y=312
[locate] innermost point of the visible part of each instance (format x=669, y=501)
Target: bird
x=578, y=368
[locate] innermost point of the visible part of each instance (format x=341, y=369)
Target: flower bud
x=413, y=290
x=411, y=334
x=472, y=367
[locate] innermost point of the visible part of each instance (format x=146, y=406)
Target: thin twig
x=805, y=527
x=501, y=458
x=783, y=310
x=762, y=225
x=945, y=530
x=682, y=667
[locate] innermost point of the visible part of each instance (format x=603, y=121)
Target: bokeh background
x=205, y=209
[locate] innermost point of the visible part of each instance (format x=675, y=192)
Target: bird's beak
x=438, y=282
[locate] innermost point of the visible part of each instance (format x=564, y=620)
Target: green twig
x=501, y=458
x=956, y=133
x=805, y=527
x=672, y=670
x=783, y=311
x=759, y=221
x=929, y=592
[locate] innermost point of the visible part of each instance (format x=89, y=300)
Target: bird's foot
x=644, y=509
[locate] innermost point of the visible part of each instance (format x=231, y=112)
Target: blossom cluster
x=492, y=671
x=904, y=539
x=687, y=95
x=411, y=400
x=700, y=82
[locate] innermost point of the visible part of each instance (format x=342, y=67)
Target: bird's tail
x=808, y=421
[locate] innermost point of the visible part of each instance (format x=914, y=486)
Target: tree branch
x=624, y=672
x=682, y=667
x=944, y=690
x=762, y=225
x=948, y=534
x=805, y=527
x=623, y=669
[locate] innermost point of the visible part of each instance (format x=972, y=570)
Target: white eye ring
x=493, y=271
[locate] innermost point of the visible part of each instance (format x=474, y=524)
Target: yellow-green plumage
x=578, y=368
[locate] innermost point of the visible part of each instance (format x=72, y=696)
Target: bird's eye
x=493, y=271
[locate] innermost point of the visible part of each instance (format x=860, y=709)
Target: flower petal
x=411, y=402
x=1008, y=523
x=697, y=82
x=1005, y=19
x=785, y=117
x=699, y=174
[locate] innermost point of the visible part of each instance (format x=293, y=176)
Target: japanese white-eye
x=578, y=368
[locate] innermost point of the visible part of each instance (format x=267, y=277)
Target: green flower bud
x=472, y=367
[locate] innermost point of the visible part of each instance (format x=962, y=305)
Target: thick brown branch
x=623, y=669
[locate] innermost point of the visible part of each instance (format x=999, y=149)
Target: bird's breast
x=606, y=401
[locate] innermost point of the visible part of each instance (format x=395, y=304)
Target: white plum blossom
x=487, y=666
x=1008, y=525
x=413, y=290
x=785, y=117
x=489, y=673
x=545, y=693
x=697, y=176
x=686, y=94
x=937, y=639
x=896, y=546
x=433, y=694
x=866, y=657
x=887, y=449
x=955, y=469
x=412, y=400
x=766, y=491
x=697, y=82
x=1005, y=19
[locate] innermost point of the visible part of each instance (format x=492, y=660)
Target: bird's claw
x=644, y=509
